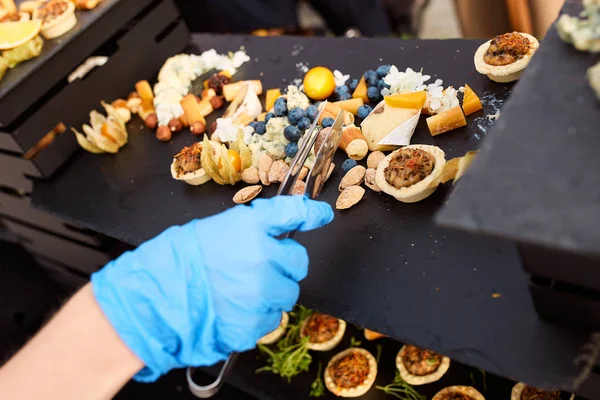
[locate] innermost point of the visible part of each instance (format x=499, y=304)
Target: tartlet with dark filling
x=411, y=173
x=351, y=373
x=521, y=391
x=458, y=393
x=504, y=58
x=324, y=331
x=419, y=367
x=187, y=167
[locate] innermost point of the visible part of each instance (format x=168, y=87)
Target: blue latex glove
x=197, y=292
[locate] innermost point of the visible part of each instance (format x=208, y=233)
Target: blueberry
x=341, y=91
x=348, y=165
x=364, y=111
x=371, y=77
x=269, y=116
x=353, y=84
x=291, y=149
x=327, y=122
x=295, y=115
x=253, y=124
x=303, y=124
x=280, y=107
x=381, y=85
x=383, y=70
x=292, y=133
x=311, y=112
x=260, y=128
x=373, y=93
x=345, y=96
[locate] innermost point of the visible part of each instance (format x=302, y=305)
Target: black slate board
x=381, y=264
x=536, y=179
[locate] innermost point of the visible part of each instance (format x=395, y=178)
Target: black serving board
x=25, y=84
x=536, y=179
x=382, y=264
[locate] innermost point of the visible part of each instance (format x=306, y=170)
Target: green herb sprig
x=317, y=388
x=354, y=342
x=401, y=390
x=290, y=357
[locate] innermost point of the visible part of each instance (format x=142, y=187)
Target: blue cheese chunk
x=272, y=142
x=295, y=98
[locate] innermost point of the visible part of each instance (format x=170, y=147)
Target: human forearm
x=77, y=355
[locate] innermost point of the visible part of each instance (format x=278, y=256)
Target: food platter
x=429, y=286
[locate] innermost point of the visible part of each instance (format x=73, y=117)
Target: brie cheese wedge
x=251, y=106
x=389, y=127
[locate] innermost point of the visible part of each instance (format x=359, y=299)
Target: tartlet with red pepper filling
x=351, y=373
x=58, y=17
x=411, y=173
x=521, y=391
x=458, y=393
x=504, y=58
x=419, y=367
x=324, y=331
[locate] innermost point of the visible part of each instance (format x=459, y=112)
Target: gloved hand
x=197, y=292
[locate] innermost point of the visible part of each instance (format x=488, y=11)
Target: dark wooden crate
x=18, y=208
x=79, y=257
x=135, y=53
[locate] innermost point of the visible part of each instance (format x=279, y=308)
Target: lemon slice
x=13, y=34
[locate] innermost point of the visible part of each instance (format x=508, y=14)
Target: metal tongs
x=314, y=184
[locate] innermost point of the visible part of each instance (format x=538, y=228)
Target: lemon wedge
x=14, y=34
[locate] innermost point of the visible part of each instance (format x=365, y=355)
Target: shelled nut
x=175, y=125
x=151, y=121
x=198, y=128
x=163, y=133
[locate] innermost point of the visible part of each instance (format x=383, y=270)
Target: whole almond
x=349, y=197
x=299, y=188
x=374, y=159
x=278, y=171
x=303, y=173
x=370, y=180
x=353, y=177
x=264, y=165
x=250, y=175
x=331, y=168
x=246, y=194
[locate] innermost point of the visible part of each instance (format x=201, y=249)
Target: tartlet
x=465, y=392
x=351, y=373
x=275, y=335
x=419, y=367
x=411, y=173
x=58, y=18
x=522, y=391
x=325, y=332
x=187, y=164
x=505, y=57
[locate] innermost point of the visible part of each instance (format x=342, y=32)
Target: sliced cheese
x=388, y=127
x=251, y=106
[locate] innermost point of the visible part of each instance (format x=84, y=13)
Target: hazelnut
x=213, y=126
x=133, y=95
x=175, y=125
x=216, y=102
x=198, y=128
x=151, y=121
x=163, y=133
